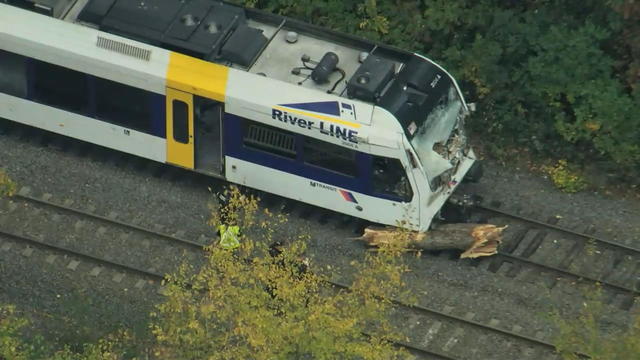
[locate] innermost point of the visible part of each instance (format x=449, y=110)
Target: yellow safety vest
x=229, y=237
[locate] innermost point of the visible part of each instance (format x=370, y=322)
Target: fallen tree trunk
x=475, y=240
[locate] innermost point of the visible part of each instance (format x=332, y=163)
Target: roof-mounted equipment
x=370, y=78
x=327, y=65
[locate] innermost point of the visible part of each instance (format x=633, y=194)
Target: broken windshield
x=430, y=138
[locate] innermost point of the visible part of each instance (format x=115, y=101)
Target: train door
x=208, y=136
x=180, y=142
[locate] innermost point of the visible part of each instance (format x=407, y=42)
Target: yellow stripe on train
x=197, y=76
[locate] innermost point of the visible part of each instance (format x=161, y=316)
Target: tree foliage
x=253, y=303
x=586, y=335
x=556, y=76
x=11, y=347
x=15, y=345
x=7, y=186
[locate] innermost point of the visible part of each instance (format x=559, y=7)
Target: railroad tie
x=530, y=353
x=78, y=225
x=96, y=271
x=431, y=333
x=117, y=277
x=454, y=339
x=483, y=339
x=162, y=290
x=414, y=320
x=27, y=252
x=140, y=284
x=73, y=265
x=6, y=246
x=516, y=329
x=203, y=239
x=24, y=191
x=101, y=231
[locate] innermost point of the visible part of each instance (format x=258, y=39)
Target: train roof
x=253, y=42
x=83, y=49
x=242, y=38
x=406, y=84
x=151, y=68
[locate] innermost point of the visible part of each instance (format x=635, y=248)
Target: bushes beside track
x=7, y=186
x=558, y=77
x=262, y=300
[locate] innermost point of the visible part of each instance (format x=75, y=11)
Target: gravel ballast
x=180, y=203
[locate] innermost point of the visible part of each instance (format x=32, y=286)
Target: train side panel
x=82, y=127
x=300, y=143
x=317, y=193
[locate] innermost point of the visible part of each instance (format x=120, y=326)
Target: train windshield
x=434, y=139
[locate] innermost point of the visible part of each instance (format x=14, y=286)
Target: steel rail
x=41, y=244
x=459, y=319
x=582, y=236
x=23, y=195
x=25, y=238
x=576, y=276
x=562, y=229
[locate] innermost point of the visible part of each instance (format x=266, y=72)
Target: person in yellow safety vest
x=229, y=236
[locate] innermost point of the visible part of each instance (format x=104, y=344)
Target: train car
x=253, y=98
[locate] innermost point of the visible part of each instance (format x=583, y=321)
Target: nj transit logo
x=346, y=195
x=331, y=118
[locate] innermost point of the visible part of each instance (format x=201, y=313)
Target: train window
x=329, y=156
x=123, y=105
x=13, y=74
x=390, y=178
x=269, y=139
x=180, y=121
x=60, y=87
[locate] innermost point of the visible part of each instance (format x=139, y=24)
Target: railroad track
x=510, y=263
x=107, y=236
x=433, y=333
x=546, y=250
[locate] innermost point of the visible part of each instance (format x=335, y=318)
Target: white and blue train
x=254, y=98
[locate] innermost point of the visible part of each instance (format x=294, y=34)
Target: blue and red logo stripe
x=348, y=196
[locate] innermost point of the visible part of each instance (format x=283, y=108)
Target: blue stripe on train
x=234, y=147
x=158, y=115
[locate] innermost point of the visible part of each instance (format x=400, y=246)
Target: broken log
x=475, y=240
